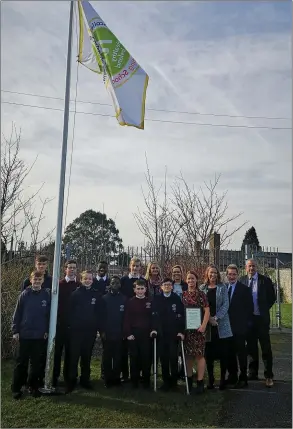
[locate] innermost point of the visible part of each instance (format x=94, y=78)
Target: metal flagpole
x=57, y=252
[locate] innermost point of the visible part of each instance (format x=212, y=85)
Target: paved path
x=258, y=406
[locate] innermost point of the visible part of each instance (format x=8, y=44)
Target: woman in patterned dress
x=194, y=344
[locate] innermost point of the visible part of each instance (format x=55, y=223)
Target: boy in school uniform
x=127, y=284
x=137, y=329
x=84, y=322
x=168, y=311
x=41, y=265
x=66, y=286
x=111, y=331
x=30, y=328
x=102, y=280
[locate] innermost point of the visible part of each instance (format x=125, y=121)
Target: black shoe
x=211, y=384
x=117, y=382
x=199, y=387
x=165, y=387
x=125, y=380
x=190, y=383
x=55, y=382
x=36, y=393
x=17, y=395
x=231, y=381
x=69, y=387
x=241, y=384
x=222, y=385
x=252, y=377
x=86, y=385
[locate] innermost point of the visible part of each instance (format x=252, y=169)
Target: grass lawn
x=286, y=315
x=114, y=408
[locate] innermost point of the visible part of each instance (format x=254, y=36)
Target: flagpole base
x=49, y=391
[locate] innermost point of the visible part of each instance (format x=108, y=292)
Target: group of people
x=132, y=313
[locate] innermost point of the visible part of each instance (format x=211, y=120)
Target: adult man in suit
x=264, y=297
x=240, y=315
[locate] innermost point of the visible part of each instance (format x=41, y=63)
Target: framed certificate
x=193, y=318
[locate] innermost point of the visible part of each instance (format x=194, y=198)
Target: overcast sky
x=231, y=58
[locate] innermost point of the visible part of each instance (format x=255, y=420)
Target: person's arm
x=126, y=322
x=270, y=290
x=17, y=316
x=206, y=309
x=223, y=310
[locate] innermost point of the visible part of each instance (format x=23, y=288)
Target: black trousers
x=260, y=332
x=140, y=357
x=217, y=349
x=238, y=357
x=112, y=354
x=80, y=348
x=29, y=351
x=124, y=359
x=61, y=343
x=168, y=350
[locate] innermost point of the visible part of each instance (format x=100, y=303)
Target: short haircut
x=102, y=263
x=232, y=267
x=135, y=260
x=115, y=278
x=139, y=282
x=178, y=266
x=70, y=261
x=84, y=273
x=36, y=273
x=192, y=272
x=167, y=280
x=41, y=258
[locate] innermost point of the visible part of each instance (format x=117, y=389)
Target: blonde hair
x=134, y=260
x=36, y=273
x=84, y=273
x=148, y=270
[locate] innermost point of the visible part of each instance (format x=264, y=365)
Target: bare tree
x=157, y=220
x=17, y=213
x=203, y=212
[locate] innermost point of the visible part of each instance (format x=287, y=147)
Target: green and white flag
x=101, y=52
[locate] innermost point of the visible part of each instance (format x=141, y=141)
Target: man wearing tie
x=264, y=297
x=241, y=315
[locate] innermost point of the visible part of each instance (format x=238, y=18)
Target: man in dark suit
x=264, y=297
x=240, y=315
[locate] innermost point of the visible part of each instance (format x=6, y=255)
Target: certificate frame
x=193, y=318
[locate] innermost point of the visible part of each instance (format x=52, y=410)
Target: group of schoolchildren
x=128, y=313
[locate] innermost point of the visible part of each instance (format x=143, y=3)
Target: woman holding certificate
x=197, y=314
x=219, y=333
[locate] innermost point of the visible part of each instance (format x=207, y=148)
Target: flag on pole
x=101, y=52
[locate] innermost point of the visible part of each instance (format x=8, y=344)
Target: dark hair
x=115, y=278
x=41, y=258
x=193, y=273
x=139, y=282
x=102, y=263
x=206, y=274
x=70, y=261
x=167, y=280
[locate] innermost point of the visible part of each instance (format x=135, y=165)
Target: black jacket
x=127, y=286
x=266, y=295
x=168, y=315
x=101, y=285
x=240, y=309
x=113, y=311
x=85, y=310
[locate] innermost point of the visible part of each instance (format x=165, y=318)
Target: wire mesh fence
x=18, y=265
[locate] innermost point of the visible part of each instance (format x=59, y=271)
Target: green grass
x=286, y=315
x=114, y=408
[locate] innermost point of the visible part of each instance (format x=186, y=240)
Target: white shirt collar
x=99, y=278
x=134, y=277
x=69, y=280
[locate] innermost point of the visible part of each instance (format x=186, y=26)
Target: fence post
x=278, y=312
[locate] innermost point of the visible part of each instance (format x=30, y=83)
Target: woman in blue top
x=219, y=333
x=179, y=285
